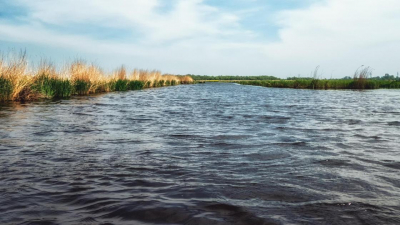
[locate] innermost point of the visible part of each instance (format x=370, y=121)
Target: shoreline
x=316, y=84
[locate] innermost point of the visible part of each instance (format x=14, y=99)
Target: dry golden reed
x=18, y=82
x=15, y=80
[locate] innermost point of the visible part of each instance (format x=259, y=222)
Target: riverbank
x=326, y=84
x=18, y=82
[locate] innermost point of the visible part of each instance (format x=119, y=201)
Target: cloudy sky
x=236, y=37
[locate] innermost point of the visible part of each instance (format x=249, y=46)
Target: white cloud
x=193, y=37
x=190, y=35
x=188, y=18
x=340, y=35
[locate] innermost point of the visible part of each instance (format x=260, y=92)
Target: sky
x=210, y=37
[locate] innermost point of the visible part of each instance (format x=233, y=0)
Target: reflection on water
x=203, y=154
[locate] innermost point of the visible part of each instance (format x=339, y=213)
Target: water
x=203, y=154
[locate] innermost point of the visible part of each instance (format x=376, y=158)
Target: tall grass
x=47, y=83
x=360, y=80
x=14, y=82
x=20, y=83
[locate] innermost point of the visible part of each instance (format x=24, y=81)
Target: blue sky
x=236, y=37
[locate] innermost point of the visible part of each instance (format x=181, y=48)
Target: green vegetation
x=326, y=84
x=81, y=87
x=135, y=85
x=50, y=87
x=231, y=78
x=386, y=77
x=5, y=89
x=121, y=85
x=361, y=80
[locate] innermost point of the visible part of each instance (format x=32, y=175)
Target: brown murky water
x=203, y=154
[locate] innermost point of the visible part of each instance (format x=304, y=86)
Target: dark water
x=203, y=154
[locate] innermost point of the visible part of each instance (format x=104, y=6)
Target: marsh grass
x=136, y=85
x=361, y=80
x=20, y=83
x=51, y=87
x=15, y=81
x=325, y=84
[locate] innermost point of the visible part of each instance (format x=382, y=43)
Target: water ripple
x=203, y=154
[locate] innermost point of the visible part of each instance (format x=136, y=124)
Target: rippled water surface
x=203, y=154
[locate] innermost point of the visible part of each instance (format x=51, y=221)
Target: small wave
x=237, y=215
x=394, y=123
x=354, y=121
x=267, y=156
x=347, y=212
x=392, y=164
x=296, y=143
x=334, y=162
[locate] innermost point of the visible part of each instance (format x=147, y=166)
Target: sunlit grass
x=20, y=83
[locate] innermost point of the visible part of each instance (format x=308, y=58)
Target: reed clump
x=20, y=83
x=15, y=79
x=48, y=83
x=186, y=79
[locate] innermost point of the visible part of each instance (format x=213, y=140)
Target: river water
x=214, y=153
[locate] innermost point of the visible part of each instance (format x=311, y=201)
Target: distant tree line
x=299, y=78
x=385, y=77
x=265, y=77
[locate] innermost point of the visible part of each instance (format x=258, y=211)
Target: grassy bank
x=362, y=79
x=230, y=78
x=18, y=82
x=325, y=84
